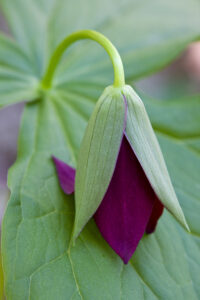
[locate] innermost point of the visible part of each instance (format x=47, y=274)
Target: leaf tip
x=187, y=227
x=181, y=219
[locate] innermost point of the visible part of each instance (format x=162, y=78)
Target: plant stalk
x=119, y=80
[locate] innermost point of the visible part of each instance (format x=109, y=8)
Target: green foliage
x=39, y=218
x=16, y=81
x=1, y=280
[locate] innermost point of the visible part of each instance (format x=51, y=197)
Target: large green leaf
x=1, y=280
x=39, y=217
x=38, y=221
x=137, y=28
x=148, y=34
x=17, y=80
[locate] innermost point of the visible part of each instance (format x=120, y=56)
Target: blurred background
x=178, y=80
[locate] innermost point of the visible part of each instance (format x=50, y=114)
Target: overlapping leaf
x=17, y=80
x=39, y=218
x=147, y=34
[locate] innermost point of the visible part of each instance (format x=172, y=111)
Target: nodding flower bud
x=121, y=178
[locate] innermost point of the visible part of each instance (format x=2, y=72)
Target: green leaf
x=148, y=35
x=17, y=83
x=144, y=143
x=98, y=155
x=1, y=281
x=39, y=219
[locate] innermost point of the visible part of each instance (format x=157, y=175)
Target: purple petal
x=126, y=208
x=66, y=175
x=155, y=215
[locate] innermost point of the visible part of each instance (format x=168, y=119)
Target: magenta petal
x=66, y=175
x=155, y=215
x=126, y=208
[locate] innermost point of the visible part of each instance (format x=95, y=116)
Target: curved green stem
x=80, y=35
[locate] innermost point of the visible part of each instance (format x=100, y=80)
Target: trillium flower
x=121, y=178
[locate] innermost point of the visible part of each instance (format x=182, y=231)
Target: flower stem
x=80, y=35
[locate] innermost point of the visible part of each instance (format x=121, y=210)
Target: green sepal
x=146, y=147
x=98, y=155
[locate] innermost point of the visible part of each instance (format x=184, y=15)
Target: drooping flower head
x=121, y=178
